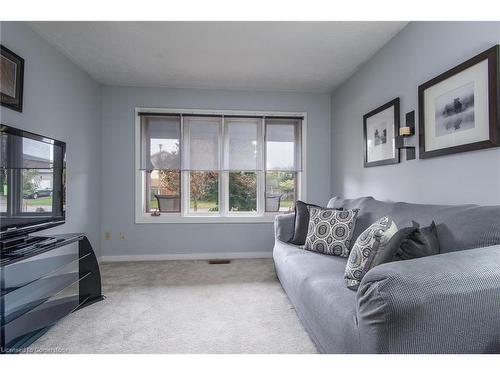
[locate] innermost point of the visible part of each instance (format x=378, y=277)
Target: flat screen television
x=32, y=182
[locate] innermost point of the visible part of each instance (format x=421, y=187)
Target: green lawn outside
x=285, y=204
x=204, y=204
x=153, y=203
x=288, y=203
x=44, y=201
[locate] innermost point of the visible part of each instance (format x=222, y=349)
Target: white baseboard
x=195, y=256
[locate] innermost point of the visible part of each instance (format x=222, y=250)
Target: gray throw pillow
x=371, y=248
x=330, y=231
x=421, y=242
x=301, y=222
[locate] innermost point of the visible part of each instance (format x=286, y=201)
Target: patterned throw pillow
x=370, y=245
x=330, y=230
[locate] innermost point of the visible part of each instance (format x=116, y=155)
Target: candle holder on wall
x=405, y=132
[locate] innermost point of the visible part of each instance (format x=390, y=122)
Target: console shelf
x=41, y=283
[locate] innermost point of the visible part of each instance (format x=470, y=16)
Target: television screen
x=32, y=174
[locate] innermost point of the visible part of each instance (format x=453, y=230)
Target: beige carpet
x=184, y=307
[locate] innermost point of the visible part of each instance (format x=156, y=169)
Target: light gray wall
x=63, y=102
x=118, y=169
x=418, y=53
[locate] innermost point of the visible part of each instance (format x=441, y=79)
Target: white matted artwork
x=456, y=108
x=380, y=128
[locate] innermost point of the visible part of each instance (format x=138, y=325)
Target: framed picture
x=380, y=127
x=11, y=79
x=458, y=110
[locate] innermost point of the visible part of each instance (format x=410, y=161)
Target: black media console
x=43, y=279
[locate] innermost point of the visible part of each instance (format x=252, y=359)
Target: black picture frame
x=492, y=56
x=13, y=102
x=395, y=160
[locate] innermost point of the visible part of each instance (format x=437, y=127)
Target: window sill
x=199, y=219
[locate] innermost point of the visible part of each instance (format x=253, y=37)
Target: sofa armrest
x=447, y=303
x=284, y=226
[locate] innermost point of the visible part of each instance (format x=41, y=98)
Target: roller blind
x=161, y=137
x=202, y=148
x=282, y=143
x=242, y=144
x=200, y=141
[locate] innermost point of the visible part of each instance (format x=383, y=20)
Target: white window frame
x=143, y=217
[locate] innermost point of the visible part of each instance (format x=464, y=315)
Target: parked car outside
x=39, y=193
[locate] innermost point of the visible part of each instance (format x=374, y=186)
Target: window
x=224, y=166
x=202, y=157
x=161, y=137
x=242, y=161
x=282, y=163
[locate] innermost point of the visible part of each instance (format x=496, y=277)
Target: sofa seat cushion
x=316, y=287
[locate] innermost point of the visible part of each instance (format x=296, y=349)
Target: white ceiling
x=296, y=56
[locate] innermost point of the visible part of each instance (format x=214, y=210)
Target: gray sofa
x=446, y=303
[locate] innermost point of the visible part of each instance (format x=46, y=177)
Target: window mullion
x=147, y=179
x=185, y=188
x=223, y=180
x=264, y=165
x=297, y=185
x=185, y=192
x=261, y=188
x=225, y=198
x=260, y=193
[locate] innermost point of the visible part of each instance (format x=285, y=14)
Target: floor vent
x=219, y=261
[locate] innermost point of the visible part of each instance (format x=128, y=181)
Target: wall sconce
x=405, y=132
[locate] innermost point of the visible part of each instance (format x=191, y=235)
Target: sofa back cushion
x=458, y=227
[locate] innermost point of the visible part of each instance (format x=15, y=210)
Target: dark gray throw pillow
x=301, y=222
x=392, y=246
x=420, y=242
